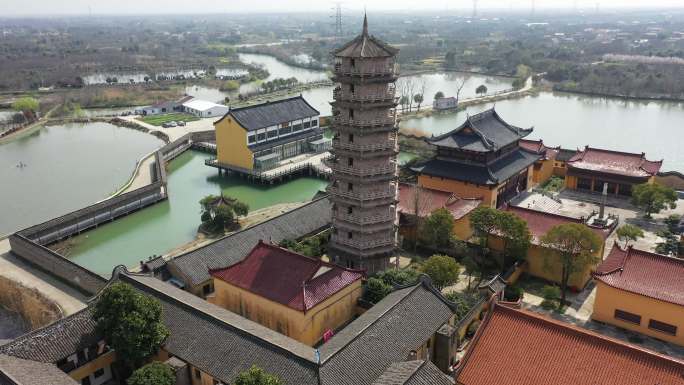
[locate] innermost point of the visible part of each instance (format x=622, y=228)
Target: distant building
x=165, y=107
x=482, y=158
x=445, y=104
x=427, y=201
x=204, y=109
x=515, y=346
x=643, y=292
x=258, y=137
x=590, y=168
x=543, y=168
x=298, y=296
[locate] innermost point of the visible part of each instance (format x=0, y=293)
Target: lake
x=573, y=121
x=66, y=168
x=169, y=224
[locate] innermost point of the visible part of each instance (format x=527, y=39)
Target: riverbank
x=560, y=88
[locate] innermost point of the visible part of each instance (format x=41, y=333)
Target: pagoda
x=364, y=186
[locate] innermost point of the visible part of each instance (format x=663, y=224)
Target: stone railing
x=362, y=171
x=389, y=144
x=366, y=70
x=338, y=94
x=366, y=220
x=388, y=120
x=362, y=244
x=363, y=195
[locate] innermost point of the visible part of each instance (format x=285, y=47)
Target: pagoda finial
x=365, y=24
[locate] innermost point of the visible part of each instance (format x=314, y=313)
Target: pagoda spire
x=365, y=25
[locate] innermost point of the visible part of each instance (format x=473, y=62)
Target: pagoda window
x=350, y=186
x=350, y=162
x=351, y=88
x=350, y=235
x=353, y=63
x=350, y=210
x=351, y=138
x=351, y=114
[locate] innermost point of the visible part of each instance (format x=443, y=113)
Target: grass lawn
x=158, y=120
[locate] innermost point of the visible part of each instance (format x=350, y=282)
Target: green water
x=67, y=167
x=164, y=226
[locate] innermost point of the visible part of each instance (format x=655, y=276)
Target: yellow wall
x=462, y=189
x=462, y=229
x=571, y=182
x=231, y=144
x=608, y=299
x=100, y=362
x=307, y=328
x=542, y=173
x=559, y=168
x=538, y=266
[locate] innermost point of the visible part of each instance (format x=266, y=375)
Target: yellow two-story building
x=298, y=296
x=643, y=292
x=259, y=137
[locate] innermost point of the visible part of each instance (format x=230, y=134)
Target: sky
x=57, y=7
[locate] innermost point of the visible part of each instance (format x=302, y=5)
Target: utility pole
x=338, y=22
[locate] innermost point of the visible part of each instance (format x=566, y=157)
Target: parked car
x=173, y=123
x=166, y=124
x=181, y=123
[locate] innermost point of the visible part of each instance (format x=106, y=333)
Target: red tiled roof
x=518, y=347
x=614, y=162
x=540, y=222
x=291, y=279
x=538, y=147
x=430, y=200
x=640, y=272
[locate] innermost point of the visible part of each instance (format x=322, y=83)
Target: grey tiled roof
x=222, y=343
x=413, y=373
x=271, y=113
x=366, y=46
x=482, y=132
x=16, y=371
x=564, y=154
x=494, y=173
x=385, y=334
x=194, y=265
x=55, y=341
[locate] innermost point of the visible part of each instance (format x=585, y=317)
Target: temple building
x=590, y=168
x=543, y=168
x=301, y=297
x=482, y=158
x=364, y=181
x=259, y=137
x=642, y=292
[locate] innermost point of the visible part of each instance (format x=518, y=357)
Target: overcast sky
x=49, y=7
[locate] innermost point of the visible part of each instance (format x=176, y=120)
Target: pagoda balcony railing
x=338, y=94
x=362, y=244
x=364, y=195
x=364, y=220
x=389, y=144
x=388, y=120
x=367, y=71
x=361, y=171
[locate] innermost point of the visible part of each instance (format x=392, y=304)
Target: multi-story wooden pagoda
x=364, y=183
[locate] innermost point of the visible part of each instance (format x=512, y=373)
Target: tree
x=437, y=229
x=398, y=277
x=515, y=235
x=230, y=85
x=220, y=212
x=439, y=95
x=403, y=101
x=576, y=245
x=418, y=98
x=376, y=289
x=629, y=233
x=154, y=373
x=653, y=197
x=256, y=376
x=27, y=106
x=131, y=324
x=484, y=221
x=442, y=269
x=481, y=89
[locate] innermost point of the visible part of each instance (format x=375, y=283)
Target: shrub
x=472, y=328
x=154, y=373
x=513, y=293
x=551, y=293
x=376, y=290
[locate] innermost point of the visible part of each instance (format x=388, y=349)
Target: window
x=314, y=123
x=261, y=137
x=351, y=138
x=99, y=373
x=350, y=162
x=350, y=210
x=350, y=235
x=350, y=187
x=272, y=134
x=251, y=138
x=351, y=114
x=285, y=130
x=297, y=127
x=628, y=317
x=307, y=124
x=207, y=289
x=198, y=375
x=662, y=327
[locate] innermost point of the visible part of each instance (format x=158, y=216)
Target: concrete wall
x=608, y=299
x=34, y=308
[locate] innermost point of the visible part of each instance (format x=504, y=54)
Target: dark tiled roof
x=366, y=46
x=614, y=162
x=640, y=272
x=16, y=371
x=280, y=275
x=430, y=200
x=272, y=113
x=413, y=373
x=222, y=343
x=194, y=266
x=518, y=347
x=386, y=333
x=55, y=341
x=483, y=132
x=494, y=173
x=538, y=147
x=565, y=154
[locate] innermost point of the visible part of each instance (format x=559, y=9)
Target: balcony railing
x=362, y=244
x=389, y=144
x=366, y=70
x=364, y=220
x=364, y=195
x=388, y=95
x=388, y=120
x=362, y=171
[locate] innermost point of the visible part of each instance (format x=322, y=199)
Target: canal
x=62, y=168
x=573, y=121
x=164, y=226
